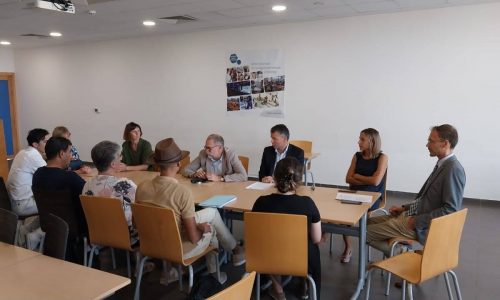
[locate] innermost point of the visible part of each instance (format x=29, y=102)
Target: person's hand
x=396, y=210
x=85, y=170
x=213, y=177
x=204, y=227
x=268, y=179
x=122, y=167
x=411, y=223
x=200, y=174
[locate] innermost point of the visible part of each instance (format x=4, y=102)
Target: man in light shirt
x=26, y=162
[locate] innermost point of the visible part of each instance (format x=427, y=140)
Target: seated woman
x=366, y=173
x=135, y=151
x=287, y=176
x=76, y=164
x=107, y=159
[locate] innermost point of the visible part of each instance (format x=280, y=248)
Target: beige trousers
x=381, y=229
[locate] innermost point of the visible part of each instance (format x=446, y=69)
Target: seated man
x=198, y=229
x=56, y=177
x=280, y=149
x=440, y=195
x=26, y=162
x=216, y=163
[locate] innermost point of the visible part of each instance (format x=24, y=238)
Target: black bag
x=204, y=287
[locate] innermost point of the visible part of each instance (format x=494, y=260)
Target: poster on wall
x=255, y=83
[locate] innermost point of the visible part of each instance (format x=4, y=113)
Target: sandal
x=346, y=257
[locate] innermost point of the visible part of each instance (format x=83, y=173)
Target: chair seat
x=191, y=260
x=406, y=266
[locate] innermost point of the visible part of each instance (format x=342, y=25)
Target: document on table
x=354, y=197
x=260, y=186
x=218, y=201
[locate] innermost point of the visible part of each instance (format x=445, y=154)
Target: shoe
x=275, y=295
x=346, y=257
x=239, y=259
x=223, y=277
x=172, y=276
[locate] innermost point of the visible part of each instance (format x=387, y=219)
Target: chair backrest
x=56, y=237
x=302, y=144
x=8, y=226
x=240, y=290
x=158, y=232
x=4, y=196
x=244, y=161
x=442, y=245
x=184, y=162
x=276, y=243
x=61, y=204
x=106, y=222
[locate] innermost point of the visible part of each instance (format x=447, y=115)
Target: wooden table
x=336, y=217
x=25, y=274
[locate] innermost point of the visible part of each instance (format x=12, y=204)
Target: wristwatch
x=222, y=179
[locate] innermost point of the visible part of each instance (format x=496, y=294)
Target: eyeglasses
x=210, y=148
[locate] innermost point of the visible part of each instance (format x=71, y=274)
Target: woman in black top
x=287, y=176
x=366, y=173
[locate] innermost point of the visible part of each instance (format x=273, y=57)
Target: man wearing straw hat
x=198, y=229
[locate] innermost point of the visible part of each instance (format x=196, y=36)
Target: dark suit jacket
x=441, y=196
x=269, y=158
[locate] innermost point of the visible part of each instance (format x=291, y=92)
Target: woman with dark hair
x=135, y=150
x=287, y=176
x=366, y=173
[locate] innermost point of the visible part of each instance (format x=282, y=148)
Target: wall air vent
x=42, y=36
x=178, y=19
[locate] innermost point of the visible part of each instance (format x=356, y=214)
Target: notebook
x=218, y=201
x=354, y=197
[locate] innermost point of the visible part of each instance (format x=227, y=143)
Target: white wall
x=6, y=59
x=400, y=73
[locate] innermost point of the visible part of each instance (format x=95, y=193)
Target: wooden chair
x=241, y=290
x=184, y=162
x=440, y=255
x=8, y=226
x=268, y=240
x=107, y=225
x=62, y=204
x=244, y=161
x=56, y=237
x=160, y=238
x=307, y=147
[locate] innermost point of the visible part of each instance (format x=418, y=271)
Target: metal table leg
x=361, y=257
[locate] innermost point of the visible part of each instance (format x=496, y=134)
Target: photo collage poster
x=255, y=83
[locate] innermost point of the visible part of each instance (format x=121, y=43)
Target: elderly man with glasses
x=216, y=163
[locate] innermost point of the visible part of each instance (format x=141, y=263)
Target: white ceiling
x=123, y=18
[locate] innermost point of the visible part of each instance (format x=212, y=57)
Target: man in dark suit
x=280, y=149
x=440, y=195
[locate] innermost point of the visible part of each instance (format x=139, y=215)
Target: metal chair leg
x=91, y=255
x=85, y=261
x=139, y=277
x=403, y=290
x=113, y=260
x=191, y=275
x=257, y=287
x=448, y=287
x=129, y=273
x=410, y=291
x=312, y=287
x=331, y=242
x=455, y=281
x=368, y=283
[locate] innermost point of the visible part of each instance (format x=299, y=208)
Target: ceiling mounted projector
x=56, y=5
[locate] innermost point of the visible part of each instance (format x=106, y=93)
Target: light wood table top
x=44, y=277
x=10, y=255
x=331, y=210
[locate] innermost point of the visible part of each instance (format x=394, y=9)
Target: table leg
x=361, y=257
